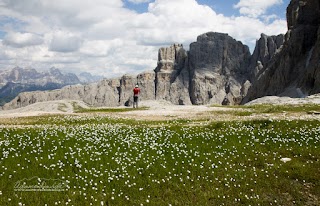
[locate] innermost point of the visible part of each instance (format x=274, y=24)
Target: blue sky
x=117, y=37
x=224, y=7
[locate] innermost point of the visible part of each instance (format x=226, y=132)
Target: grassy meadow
x=98, y=160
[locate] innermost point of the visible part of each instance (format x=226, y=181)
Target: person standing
x=136, y=92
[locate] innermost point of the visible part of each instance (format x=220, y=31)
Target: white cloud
x=106, y=38
x=6, y=54
x=65, y=42
x=255, y=8
x=19, y=40
x=139, y=1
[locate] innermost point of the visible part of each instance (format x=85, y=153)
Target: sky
x=117, y=37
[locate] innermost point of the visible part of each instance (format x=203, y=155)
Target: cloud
x=255, y=8
x=65, y=42
x=6, y=54
x=20, y=40
x=139, y=1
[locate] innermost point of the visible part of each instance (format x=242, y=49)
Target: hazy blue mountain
x=17, y=80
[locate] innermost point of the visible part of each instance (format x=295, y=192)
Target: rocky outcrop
x=296, y=67
x=172, y=75
x=266, y=48
x=214, y=71
x=127, y=83
x=218, y=69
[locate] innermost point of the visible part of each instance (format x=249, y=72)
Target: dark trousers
x=135, y=101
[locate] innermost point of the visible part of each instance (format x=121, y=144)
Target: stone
x=266, y=48
x=218, y=69
x=172, y=75
x=297, y=64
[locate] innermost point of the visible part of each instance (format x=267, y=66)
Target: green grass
x=108, y=110
x=265, y=108
x=271, y=108
x=62, y=107
x=234, y=112
x=125, y=162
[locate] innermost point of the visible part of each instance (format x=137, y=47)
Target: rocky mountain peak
x=87, y=77
x=266, y=48
x=303, y=12
x=170, y=57
x=294, y=71
x=55, y=72
x=218, y=68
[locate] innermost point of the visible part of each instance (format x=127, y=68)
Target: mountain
x=216, y=70
x=19, y=80
x=295, y=70
x=32, y=76
x=86, y=77
x=212, y=72
x=10, y=90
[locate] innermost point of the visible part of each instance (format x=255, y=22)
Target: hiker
x=136, y=92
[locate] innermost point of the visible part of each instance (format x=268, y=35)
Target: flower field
x=96, y=160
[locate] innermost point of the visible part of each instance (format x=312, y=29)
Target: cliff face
x=218, y=69
x=266, y=48
x=295, y=70
x=172, y=75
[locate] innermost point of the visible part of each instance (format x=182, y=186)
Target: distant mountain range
x=17, y=80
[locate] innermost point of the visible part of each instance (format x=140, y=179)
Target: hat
x=137, y=85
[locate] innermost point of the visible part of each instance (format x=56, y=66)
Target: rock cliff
x=172, y=75
x=295, y=70
x=266, y=48
x=218, y=69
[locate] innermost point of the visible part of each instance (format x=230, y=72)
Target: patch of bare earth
x=159, y=111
